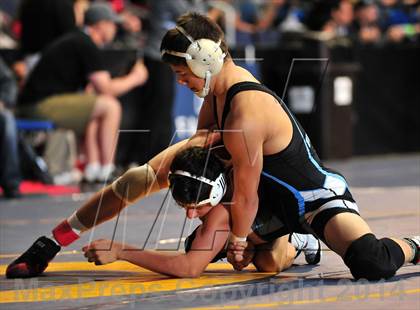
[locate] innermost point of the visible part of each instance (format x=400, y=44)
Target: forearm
x=162, y=162
x=120, y=85
x=172, y=264
x=243, y=213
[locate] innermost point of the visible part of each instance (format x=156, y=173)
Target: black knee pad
x=373, y=259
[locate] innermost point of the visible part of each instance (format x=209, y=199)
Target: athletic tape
x=64, y=234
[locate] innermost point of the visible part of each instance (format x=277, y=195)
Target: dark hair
x=198, y=27
x=199, y=162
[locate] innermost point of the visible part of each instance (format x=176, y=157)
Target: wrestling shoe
x=414, y=243
x=309, y=245
x=35, y=260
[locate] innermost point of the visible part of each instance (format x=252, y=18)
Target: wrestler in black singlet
x=293, y=182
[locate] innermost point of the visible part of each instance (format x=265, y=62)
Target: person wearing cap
x=55, y=89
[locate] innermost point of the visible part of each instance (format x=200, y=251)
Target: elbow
x=194, y=272
x=187, y=272
x=193, y=275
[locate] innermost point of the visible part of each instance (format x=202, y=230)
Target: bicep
x=245, y=145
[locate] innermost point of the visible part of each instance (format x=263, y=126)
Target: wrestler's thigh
x=342, y=229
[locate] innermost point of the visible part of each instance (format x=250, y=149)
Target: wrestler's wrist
x=233, y=238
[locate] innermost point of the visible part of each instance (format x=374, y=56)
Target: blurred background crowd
x=255, y=21
x=30, y=29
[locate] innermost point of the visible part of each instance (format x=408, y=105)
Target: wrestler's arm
x=210, y=239
x=244, y=142
x=142, y=181
x=202, y=137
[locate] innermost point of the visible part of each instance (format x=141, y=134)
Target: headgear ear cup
x=206, y=56
x=218, y=190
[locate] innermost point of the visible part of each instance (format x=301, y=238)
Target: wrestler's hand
x=236, y=253
x=248, y=256
x=102, y=251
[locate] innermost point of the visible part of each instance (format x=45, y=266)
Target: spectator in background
x=42, y=21
x=129, y=30
x=130, y=34
x=280, y=16
x=331, y=17
x=66, y=67
x=366, y=24
x=400, y=20
x=247, y=12
x=273, y=14
x=260, y=21
x=156, y=97
x=10, y=176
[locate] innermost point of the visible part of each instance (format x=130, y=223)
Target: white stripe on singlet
x=339, y=203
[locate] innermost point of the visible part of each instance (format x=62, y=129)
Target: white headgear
x=204, y=57
x=218, y=187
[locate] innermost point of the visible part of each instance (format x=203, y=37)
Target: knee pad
x=373, y=259
x=136, y=183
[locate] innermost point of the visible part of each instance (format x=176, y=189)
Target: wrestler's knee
x=271, y=261
x=136, y=183
x=373, y=259
x=266, y=262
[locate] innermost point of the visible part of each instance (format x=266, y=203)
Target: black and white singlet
x=296, y=193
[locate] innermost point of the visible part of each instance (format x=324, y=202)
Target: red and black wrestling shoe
x=34, y=261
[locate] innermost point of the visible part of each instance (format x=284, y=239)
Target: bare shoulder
x=247, y=112
x=251, y=103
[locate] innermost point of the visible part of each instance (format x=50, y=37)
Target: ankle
x=414, y=250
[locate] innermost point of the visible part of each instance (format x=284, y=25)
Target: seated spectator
x=10, y=176
x=366, y=24
x=53, y=89
x=331, y=17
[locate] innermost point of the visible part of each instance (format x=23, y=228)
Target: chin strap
x=205, y=91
